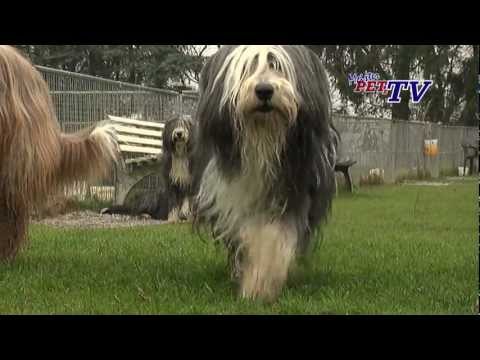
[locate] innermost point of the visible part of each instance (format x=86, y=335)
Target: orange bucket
x=431, y=147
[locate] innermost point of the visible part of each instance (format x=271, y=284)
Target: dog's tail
x=88, y=155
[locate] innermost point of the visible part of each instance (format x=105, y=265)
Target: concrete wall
x=397, y=147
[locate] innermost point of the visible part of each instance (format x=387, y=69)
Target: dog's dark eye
x=273, y=63
x=275, y=66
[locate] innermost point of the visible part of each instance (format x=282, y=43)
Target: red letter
x=360, y=86
x=381, y=86
x=370, y=86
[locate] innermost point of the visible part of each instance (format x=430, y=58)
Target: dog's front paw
x=174, y=216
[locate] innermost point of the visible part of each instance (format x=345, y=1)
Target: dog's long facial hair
x=266, y=158
x=178, y=153
x=36, y=159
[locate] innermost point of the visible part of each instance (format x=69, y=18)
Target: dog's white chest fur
x=179, y=172
x=236, y=200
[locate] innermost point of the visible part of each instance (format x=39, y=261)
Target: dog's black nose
x=264, y=91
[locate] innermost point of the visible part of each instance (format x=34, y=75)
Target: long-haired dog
x=178, y=141
x=266, y=148
x=172, y=200
x=36, y=159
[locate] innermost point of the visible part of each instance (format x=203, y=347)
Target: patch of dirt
x=91, y=219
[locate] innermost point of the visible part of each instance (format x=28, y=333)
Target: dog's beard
x=180, y=148
x=262, y=138
x=179, y=172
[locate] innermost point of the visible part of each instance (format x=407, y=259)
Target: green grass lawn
x=386, y=250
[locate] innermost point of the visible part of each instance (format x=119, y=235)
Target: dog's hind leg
x=13, y=230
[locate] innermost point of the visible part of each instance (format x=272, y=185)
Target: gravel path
x=91, y=219
x=426, y=183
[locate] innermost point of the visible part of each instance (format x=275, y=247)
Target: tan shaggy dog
x=36, y=159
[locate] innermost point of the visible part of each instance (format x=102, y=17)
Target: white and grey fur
x=178, y=146
x=264, y=177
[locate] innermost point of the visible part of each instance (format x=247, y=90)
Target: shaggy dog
x=178, y=163
x=36, y=159
x=266, y=150
x=172, y=200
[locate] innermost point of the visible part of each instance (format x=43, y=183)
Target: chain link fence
x=81, y=101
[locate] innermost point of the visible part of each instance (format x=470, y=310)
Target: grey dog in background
x=171, y=200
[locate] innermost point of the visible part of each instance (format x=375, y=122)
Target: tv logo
x=371, y=83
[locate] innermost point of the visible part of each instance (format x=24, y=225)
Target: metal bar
x=105, y=81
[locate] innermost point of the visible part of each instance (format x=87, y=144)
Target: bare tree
x=195, y=56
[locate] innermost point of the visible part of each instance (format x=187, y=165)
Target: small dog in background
x=178, y=142
x=171, y=201
x=266, y=154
